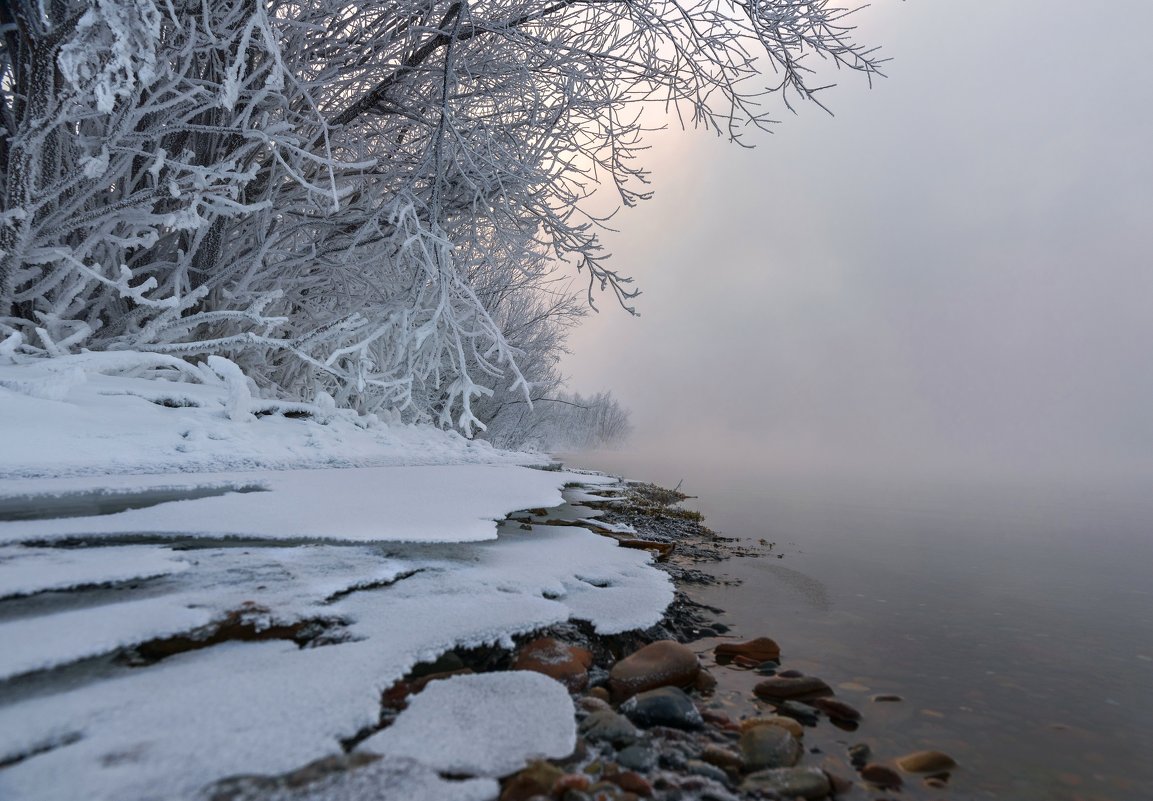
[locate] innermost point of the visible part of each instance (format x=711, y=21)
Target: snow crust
x=389, y=560
x=24, y=571
x=369, y=504
x=77, y=416
x=485, y=725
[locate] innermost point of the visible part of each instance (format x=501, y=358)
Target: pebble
x=590, y=703
x=926, y=762
x=788, y=724
x=637, y=757
x=608, y=726
x=768, y=747
x=701, y=768
x=797, y=712
x=784, y=687
x=859, y=755
x=600, y=693
x=705, y=682
x=722, y=757
x=566, y=663
x=808, y=783
x=664, y=706
x=761, y=649
x=887, y=698
x=836, y=710
x=882, y=776
x=537, y=779
x=664, y=663
x=632, y=782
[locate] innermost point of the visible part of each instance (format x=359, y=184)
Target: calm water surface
x=1016, y=622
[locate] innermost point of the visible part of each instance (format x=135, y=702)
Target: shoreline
x=675, y=711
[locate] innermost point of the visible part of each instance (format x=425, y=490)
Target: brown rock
x=537, y=779
x=632, y=782
x=840, y=785
x=566, y=663
x=422, y=682
x=777, y=688
x=768, y=747
x=571, y=781
x=599, y=692
x=788, y=724
x=593, y=704
x=926, y=762
x=705, y=682
x=664, y=663
x=761, y=649
x=881, y=776
x=836, y=710
x=724, y=758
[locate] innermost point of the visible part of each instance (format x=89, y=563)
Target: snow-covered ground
x=144, y=500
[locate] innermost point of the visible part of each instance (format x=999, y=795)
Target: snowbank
x=310, y=591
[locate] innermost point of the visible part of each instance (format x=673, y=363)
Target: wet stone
x=782, y=687
x=807, y=783
x=761, y=649
x=637, y=757
x=608, y=726
x=664, y=663
x=859, y=754
x=699, y=767
x=632, y=783
x=537, y=779
x=768, y=747
x=722, y=757
x=788, y=724
x=566, y=663
x=665, y=706
x=882, y=776
x=837, y=710
x=798, y=712
x=926, y=762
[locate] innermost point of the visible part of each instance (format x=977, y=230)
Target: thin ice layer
x=24, y=571
x=367, y=504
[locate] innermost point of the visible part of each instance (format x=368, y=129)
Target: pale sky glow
x=952, y=273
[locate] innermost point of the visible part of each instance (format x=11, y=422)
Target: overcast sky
x=955, y=272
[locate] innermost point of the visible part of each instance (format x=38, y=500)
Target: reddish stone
x=423, y=681
x=568, y=664
x=705, y=682
x=632, y=782
x=776, y=688
x=836, y=710
x=761, y=649
x=881, y=776
x=664, y=663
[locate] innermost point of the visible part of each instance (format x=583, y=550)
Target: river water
x=1016, y=621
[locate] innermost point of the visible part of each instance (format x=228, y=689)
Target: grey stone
x=638, y=757
x=808, y=783
x=700, y=768
x=607, y=726
x=769, y=747
x=666, y=706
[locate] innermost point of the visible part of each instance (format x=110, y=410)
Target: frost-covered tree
x=356, y=198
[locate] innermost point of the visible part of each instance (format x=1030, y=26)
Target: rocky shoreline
x=683, y=710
